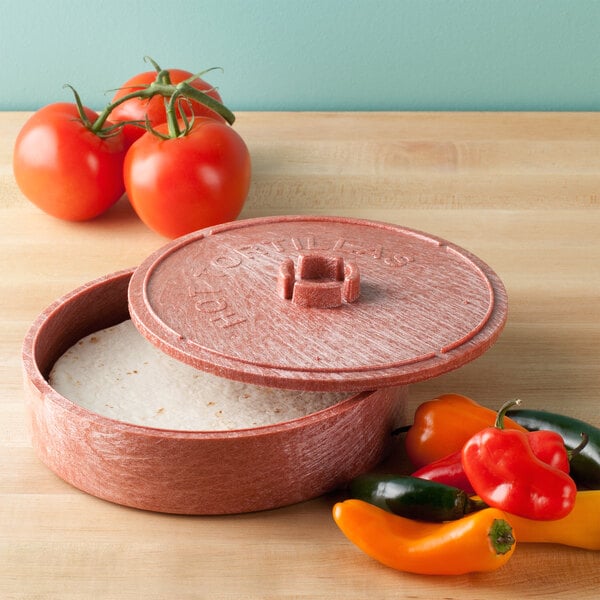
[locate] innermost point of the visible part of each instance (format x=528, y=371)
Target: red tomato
x=64, y=168
x=186, y=183
x=137, y=109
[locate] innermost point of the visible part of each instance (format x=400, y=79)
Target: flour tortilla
x=117, y=373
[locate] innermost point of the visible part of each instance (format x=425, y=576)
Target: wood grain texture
x=518, y=190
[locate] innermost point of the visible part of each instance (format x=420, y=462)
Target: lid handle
x=324, y=281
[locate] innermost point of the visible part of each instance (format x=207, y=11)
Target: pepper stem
x=577, y=450
x=475, y=505
x=501, y=536
x=503, y=410
x=400, y=430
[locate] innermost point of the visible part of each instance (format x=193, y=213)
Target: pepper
x=580, y=528
x=443, y=425
x=548, y=446
x=505, y=473
x=414, y=498
x=447, y=470
x=481, y=541
x=585, y=465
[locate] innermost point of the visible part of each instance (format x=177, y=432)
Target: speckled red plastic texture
x=374, y=305
x=190, y=472
x=310, y=302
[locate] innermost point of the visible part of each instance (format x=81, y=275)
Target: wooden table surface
x=521, y=191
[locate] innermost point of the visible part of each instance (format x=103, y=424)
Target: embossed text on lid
x=378, y=304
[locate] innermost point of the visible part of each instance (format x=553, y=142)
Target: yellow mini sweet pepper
x=580, y=528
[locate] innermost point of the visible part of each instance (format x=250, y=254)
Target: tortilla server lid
x=317, y=303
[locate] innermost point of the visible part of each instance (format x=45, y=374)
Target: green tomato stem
x=98, y=124
x=172, y=123
x=162, y=75
x=193, y=93
x=161, y=86
x=79, y=104
x=150, y=60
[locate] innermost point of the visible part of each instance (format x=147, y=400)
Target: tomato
x=66, y=169
x=181, y=184
x=137, y=109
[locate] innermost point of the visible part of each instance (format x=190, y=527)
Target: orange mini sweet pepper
x=481, y=541
x=443, y=426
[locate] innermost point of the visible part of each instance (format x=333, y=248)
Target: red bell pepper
x=448, y=470
x=548, y=446
x=506, y=473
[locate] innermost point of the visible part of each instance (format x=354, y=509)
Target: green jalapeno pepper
x=585, y=465
x=414, y=498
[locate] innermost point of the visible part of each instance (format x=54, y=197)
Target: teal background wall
x=312, y=54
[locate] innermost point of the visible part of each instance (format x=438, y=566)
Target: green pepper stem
x=400, y=430
x=501, y=536
x=474, y=505
x=502, y=412
x=577, y=450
